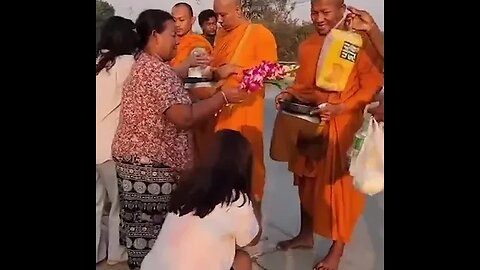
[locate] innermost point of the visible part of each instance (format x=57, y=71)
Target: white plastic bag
x=367, y=167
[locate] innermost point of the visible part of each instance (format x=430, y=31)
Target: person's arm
x=379, y=114
x=361, y=20
x=371, y=82
x=376, y=38
x=177, y=106
x=182, y=68
x=192, y=60
x=217, y=76
x=185, y=116
x=377, y=111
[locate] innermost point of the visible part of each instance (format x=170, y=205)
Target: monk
x=240, y=42
x=330, y=205
x=187, y=40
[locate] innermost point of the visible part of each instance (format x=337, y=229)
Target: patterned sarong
x=145, y=192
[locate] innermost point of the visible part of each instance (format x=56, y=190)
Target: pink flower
x=255, y=78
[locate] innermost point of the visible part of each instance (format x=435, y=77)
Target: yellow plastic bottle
x=337, y=59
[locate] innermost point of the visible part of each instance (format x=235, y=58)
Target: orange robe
x=259, y=45
x=203, y=132
x=185, y=46
x=325, y=187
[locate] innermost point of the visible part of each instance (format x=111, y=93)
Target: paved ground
x=281, y=221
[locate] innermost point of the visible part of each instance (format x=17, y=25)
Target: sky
x=131, y=8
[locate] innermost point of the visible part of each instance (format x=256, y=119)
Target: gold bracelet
x=224, y=97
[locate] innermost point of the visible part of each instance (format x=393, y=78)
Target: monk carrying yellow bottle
x=345, y=78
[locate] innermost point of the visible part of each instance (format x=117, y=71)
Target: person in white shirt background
x=115, y=52
x=210, y=213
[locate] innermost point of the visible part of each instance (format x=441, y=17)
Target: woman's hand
x=197, y=59
x=234, y=94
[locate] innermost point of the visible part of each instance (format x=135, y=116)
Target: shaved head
x=229, y=13
x=183, y=15
x=229, y=3
x=326, y=14
x=187, y=6
x=233, y=2
x=338, y=2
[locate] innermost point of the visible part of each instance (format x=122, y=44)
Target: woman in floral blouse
x=153, y=143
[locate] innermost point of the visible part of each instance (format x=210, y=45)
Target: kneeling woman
x=211, y=213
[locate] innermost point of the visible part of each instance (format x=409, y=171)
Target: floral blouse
x=144, y=131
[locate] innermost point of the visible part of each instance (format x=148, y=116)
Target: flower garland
x=255, y=78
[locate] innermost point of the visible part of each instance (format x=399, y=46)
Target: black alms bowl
x=196, y=80
x=297, y=107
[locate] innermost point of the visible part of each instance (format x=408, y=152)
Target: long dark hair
x=117, y=37
x=222, y=179
x=148, y=21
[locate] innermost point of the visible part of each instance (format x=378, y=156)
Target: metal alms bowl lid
x=296, y=107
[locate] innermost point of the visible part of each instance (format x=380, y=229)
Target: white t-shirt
x=108, y=98
x=189, y=242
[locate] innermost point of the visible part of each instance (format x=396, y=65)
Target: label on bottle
x=358, y=143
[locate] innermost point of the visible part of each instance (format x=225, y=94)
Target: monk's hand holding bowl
x=199, y=59
x=282, y=96
x=330, y=110
x=359, y=20
x=233, y=94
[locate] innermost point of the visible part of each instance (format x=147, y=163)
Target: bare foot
x=332, y=260
x=300, y=241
